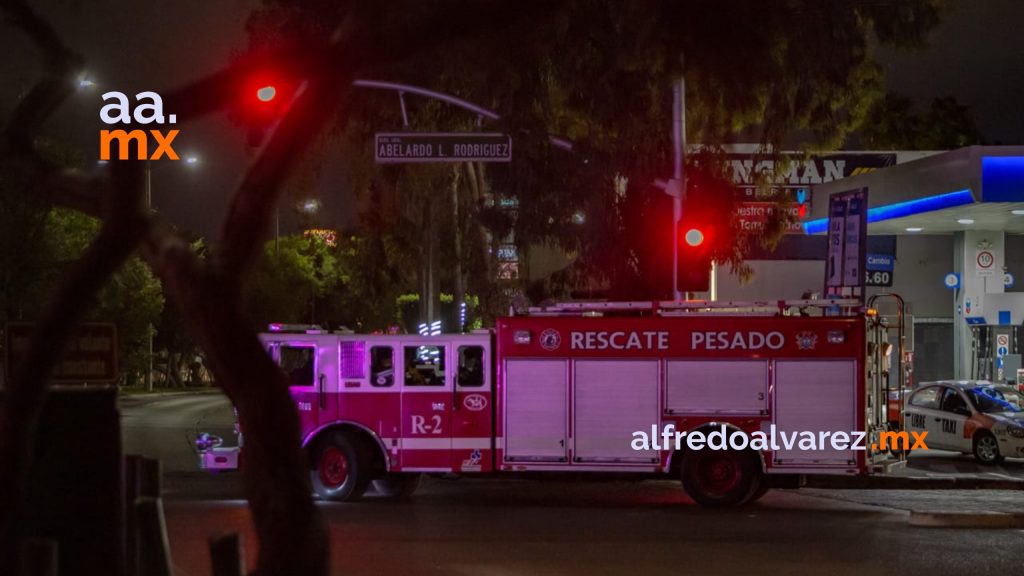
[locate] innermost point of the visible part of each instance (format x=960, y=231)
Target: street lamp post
x=149, y=327
x=191, y=160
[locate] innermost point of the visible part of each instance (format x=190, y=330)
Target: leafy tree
x=39, y=244
x=133, y=298
x=290, y=278
x=599, y=73
x=895, y=123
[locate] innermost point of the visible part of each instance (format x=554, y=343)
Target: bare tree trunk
x=280, y=494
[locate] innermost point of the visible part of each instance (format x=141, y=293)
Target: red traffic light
x=693, y=237
x=693, y=266
x=266, y=93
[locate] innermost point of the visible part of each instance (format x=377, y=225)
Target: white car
x=972, y=417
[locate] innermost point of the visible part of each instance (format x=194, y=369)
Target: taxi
x=969, y=416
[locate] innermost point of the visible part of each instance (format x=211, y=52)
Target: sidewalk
x=940, y=508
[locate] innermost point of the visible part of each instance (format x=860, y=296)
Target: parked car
x=973, y=417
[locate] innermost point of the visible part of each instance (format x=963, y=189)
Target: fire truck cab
x=569, y=387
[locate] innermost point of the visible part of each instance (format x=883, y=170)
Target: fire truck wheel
x=397, y=485
x=339, y=470
x=986, y=448
x=720, y=477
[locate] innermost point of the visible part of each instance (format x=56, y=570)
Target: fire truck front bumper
x=213, y=456
x=219, y=459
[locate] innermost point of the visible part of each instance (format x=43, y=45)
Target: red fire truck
x=564, y=388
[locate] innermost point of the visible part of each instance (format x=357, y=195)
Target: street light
x=84, y=82
x=309, y=206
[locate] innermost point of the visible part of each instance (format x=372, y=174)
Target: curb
x=911, y=483
x=200, y=392
x=966, y=520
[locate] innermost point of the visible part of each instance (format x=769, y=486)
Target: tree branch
x=61, y=66
x=27, y=391
x=292, y=533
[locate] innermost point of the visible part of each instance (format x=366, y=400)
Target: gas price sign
x=878, y=270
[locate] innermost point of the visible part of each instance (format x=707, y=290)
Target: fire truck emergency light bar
x=831, y=307
x=296, y=328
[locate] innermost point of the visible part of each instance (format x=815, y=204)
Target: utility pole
x=678, y=174
x=676, y=187
x=149, y=328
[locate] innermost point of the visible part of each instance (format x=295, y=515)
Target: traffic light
x=266, y=93
x=263, y=101
x=694, y=264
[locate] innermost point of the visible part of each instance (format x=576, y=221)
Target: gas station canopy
x=977, y=187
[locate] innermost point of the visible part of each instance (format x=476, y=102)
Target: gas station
x=968, y=203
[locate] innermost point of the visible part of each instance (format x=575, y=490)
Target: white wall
x=773, y=280
x=921, y=264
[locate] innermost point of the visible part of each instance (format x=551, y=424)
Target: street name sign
x=423, y=147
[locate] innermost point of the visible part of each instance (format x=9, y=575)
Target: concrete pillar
x=974, y=285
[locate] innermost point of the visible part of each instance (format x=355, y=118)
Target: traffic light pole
x=677, y=188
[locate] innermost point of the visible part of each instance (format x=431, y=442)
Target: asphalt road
x=520, y=528
x=165, y=425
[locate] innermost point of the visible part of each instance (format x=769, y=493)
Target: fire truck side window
x=471, y=365
x=382, y=366
x=424, y=365
x=297, y=363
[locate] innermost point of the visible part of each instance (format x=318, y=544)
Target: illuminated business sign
x=325, y=235
x=759, y=178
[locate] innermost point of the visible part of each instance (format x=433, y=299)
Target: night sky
x=130, y=46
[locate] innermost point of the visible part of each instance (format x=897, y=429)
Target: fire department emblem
x=806, y=340
x=475, y=402
x=550, y=339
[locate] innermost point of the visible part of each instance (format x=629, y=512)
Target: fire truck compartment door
x=814, y=396
x=717, y=387
x=613, y=399
x=536, y=416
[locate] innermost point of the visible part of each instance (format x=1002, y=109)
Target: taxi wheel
x=986, y=448
x=339, y=470
x=718, y=478
x=397, y=485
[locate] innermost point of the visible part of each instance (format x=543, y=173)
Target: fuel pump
x=996, y=354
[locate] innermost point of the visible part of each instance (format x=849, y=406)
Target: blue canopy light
x=902, y=209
